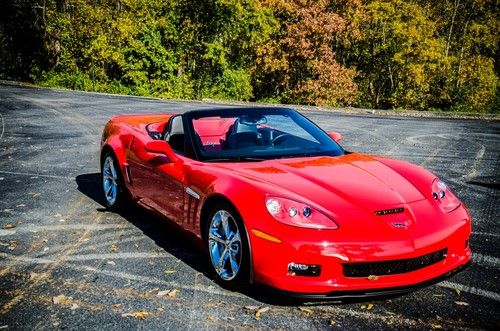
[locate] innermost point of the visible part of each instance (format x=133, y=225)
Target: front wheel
x=228, y=247
x=112, y=182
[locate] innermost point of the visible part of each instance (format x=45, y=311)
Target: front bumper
x=366, y=294
x=331, y=252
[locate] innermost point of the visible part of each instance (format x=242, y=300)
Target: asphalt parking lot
x=68, y=263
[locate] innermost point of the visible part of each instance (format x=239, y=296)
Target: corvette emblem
x=401, y=225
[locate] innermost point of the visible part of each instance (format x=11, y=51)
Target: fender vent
x=389, y=211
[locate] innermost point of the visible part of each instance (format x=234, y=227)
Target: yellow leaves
x=169, y=271
x=61, y=300
x=306, y=311
x=372, y=277
x=8, y=226
x=140, y=314
x=125, y=27
x=367, y=307
x=258, y=311
x=113, y=248
x=461, y=303
x=12, y=245
x=169, y=293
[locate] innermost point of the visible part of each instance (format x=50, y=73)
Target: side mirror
x=337, y=137
x=160, y=147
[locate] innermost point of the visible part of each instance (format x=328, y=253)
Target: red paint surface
x=348, y=189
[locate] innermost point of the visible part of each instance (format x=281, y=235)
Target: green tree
x=399, y=58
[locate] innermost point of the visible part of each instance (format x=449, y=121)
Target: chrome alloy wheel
x=110, y=180
x=224, y=244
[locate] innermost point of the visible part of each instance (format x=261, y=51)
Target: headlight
x=298, y=214
x=443, y=196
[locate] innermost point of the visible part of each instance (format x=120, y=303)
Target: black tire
x=240, y=280
x=120, y=197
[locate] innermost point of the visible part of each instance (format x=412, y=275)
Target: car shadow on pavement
x=164, y=233
x=172, y=239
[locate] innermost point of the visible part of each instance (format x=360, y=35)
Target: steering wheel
x=281, y=138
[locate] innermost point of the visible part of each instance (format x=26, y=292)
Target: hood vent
x=389, y=211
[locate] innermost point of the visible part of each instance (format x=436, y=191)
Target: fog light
x=297, y=269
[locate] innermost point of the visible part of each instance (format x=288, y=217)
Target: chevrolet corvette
x=274, y=199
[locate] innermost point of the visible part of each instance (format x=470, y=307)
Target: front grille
x=365, y=269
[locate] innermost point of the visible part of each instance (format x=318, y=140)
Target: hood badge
x=401, y=225
x=389, y=211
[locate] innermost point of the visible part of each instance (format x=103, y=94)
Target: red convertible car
x=274, y=199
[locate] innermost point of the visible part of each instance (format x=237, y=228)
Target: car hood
x=342, y=182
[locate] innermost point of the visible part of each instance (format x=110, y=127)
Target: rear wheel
x=112, y=182
x=228, y=246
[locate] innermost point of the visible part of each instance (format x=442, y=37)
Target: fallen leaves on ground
x=457, y=291
x=35, y=194
x=141, y=314
x=170, y=293
x=113, y=248
x=12, y=244
x=461, y=303
x=169, y=271
x=215, y=304
x=210, y=317
x=307, y=311
x=367, y=307
x=61, y=299
x=111, y=262
x=8, y=226
x=251, y=307
x=436, y=326
x=260, y=311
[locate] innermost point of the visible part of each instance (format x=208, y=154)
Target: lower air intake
x=365, y=269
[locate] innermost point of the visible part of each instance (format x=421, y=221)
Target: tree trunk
x=456, y=3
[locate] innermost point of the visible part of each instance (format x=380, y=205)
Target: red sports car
x=273, y=199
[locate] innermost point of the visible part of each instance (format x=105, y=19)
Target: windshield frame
x=314, y=130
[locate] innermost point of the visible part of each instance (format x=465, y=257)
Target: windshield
x=257, y=134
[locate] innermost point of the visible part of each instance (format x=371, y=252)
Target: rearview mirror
x=160, y=147
x=337, y=137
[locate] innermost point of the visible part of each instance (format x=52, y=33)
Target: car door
x=157, y=180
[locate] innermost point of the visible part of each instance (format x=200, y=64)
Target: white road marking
x=63, y=227
x=396, y=318
x=3, y=126
x=471, y=289
x=434, y=153
x=486, y=260
x=89, y=257
x=34, y=174
x=477, y=162
x=487, y=234
x=127, y=276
